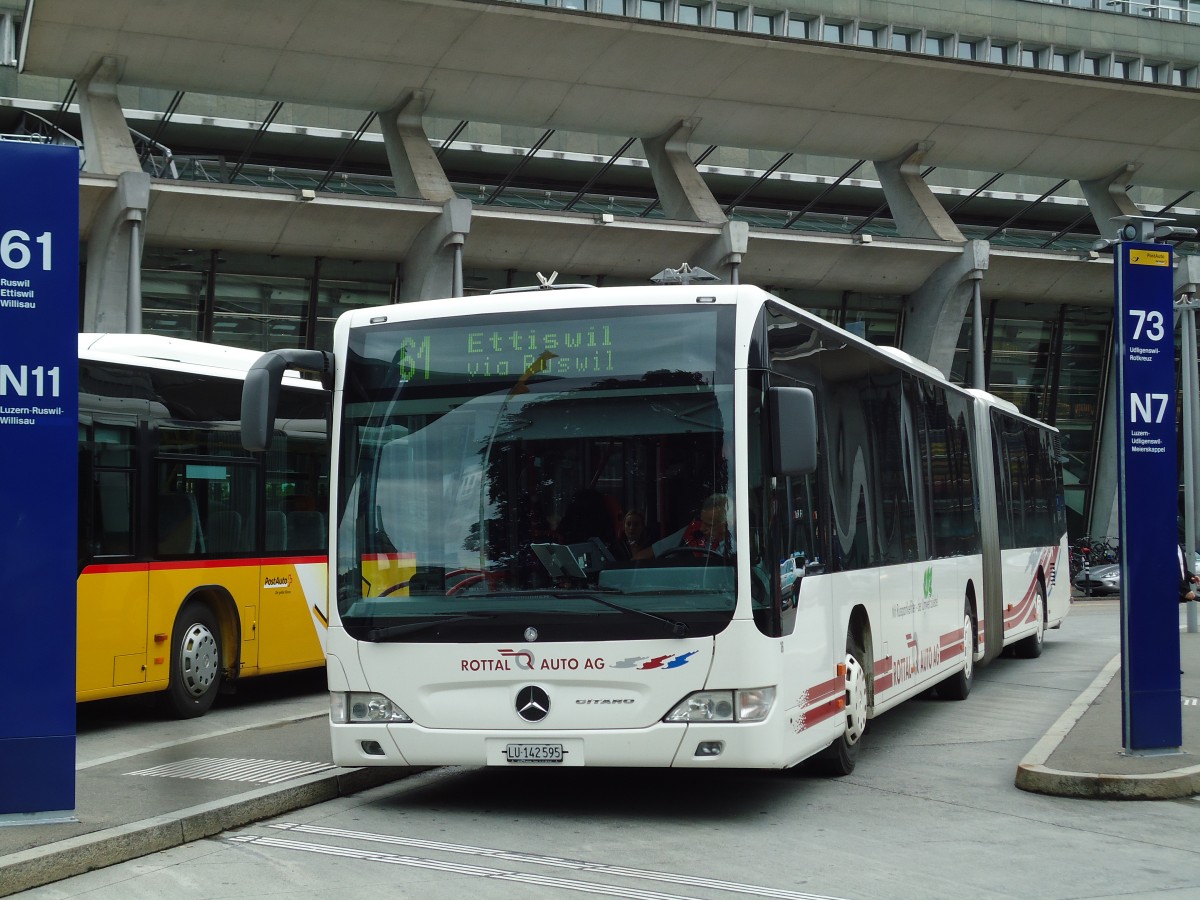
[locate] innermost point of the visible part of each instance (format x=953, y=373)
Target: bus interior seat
x=178, y=525
x=306, y=530
x=225, y=531
x=276, y=529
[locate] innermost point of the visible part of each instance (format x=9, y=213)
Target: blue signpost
x=1149, y=480
x=39, y=400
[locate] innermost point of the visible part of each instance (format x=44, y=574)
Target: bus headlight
x=358, y=707
x=749, y=705
x=754, y=704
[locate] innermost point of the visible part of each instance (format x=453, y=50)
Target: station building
x=911, y=171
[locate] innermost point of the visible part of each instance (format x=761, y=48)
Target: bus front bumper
x=716, y=745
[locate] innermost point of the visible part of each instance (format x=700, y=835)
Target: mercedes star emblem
x=533, y=704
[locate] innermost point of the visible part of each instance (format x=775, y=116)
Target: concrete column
x=681, y=190
x=416, y=170
x=112, y=299
x=1104, y=520
x=935, y=312
x=107, y=145
x=915, y=209
x=1108, y=198
x=433, y=266
x=723, y=254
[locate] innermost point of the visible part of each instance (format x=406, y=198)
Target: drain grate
x=259, y=771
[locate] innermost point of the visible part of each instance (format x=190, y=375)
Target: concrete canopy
x=276, y=221
x=514, y=64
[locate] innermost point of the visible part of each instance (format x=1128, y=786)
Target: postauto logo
x=522, y=660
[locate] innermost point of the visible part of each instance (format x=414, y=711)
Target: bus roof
x=157, y=348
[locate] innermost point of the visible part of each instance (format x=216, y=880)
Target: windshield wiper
x=382, y=634
x=678, y=629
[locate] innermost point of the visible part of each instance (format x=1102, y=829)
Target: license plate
x=534, y=753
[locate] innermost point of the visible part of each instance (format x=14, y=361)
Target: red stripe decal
x=832, y=687
x=951, y=651
x=820, y=713
x=175, y=565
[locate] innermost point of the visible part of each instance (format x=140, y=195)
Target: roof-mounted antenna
x=544, y=284
x=685, y=274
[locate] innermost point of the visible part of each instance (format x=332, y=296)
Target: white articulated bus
x=831, y=529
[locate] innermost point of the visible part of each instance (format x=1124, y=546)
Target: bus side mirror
x=794, y=430
x=260, y=391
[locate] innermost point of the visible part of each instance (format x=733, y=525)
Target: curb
x=76, y=856
x=1033, y=775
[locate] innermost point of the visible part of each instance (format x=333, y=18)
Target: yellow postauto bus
x=199, y=563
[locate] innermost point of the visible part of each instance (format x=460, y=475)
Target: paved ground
x=230, y=780
x=1082, y=756
x=127, y=808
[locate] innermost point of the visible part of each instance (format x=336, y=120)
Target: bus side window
x=178, y=524
x=224, y=530
x=306, y=531
x=106, y=489
x=276, y=530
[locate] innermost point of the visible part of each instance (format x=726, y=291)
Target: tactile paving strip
x=260, y=771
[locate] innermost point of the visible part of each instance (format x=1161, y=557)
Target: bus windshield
x=556, y=471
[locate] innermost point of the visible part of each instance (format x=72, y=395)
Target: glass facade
x=1018, y=367
x=1082, y=366
x=256, y=302
x=1053, y=368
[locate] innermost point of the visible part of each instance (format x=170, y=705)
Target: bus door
x=204, y=543
x=291, y=584
x=113, y=586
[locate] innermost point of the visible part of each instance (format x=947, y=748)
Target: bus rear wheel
x=195, y=661
x=840, y=757
x=958, y=685
x=1031, y=647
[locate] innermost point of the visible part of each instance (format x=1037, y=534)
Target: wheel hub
x=968, y=648
x=856, y=700
x=198, y=659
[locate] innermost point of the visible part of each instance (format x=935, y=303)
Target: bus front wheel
x=195, y=661
x=840, y=757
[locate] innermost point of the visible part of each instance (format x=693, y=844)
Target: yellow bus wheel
x=195, y=661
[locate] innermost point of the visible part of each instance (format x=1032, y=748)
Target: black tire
x=196, y=663
x=1031, y=647
x=839, y=758
x=958, y=685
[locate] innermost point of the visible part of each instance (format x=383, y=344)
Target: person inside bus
x=709, y=533
x=633, y=541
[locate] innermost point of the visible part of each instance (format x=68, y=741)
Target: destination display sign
x=505, y=348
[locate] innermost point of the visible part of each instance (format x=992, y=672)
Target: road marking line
x=732, y=887
x=587, y=887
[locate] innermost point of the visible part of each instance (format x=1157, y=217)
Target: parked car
x=791, y=570
x=1098, y=581
x=1103, y=580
